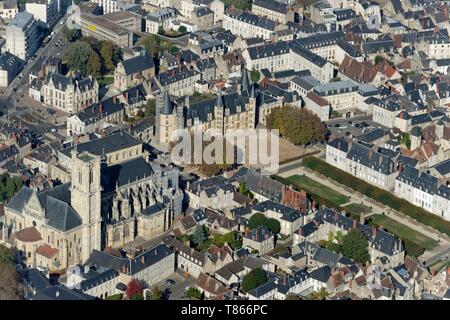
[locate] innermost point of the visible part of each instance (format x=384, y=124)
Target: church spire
x=245, y=83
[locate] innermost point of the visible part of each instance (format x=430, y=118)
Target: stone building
x=101, y=206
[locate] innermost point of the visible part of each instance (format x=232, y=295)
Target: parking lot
x=350, y=128
x=177, y=290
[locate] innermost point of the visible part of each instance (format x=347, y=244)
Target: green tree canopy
x=199, y=235
x=150, y=108
x=259, y=219
x=110, y=54
x=300, y=126
x=255, y=76
x=9, y=186
x=193, y=293
x=9, y=280
x=94, y=65
x=77, y=57
x=254, y=279
x=354, y=245
x=155, y=44
x=71, y=35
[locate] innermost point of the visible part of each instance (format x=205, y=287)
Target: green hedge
x=378, y=194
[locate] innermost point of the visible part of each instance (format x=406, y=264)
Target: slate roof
x=134, y=265
x=259, y=234
x=122, y=173
x=98, y=279
x=288, y=213
x=321, y=274
x=253, y=19
x=55, y=202
x=371, y=158
x=100, y=110
x=60, y=292
x=105, y=145
x=260, y=184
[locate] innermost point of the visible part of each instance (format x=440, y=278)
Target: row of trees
x=300, y=126
x=259, y=219
x=92, y=57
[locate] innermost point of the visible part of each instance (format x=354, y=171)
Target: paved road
x=9, y=97
x=443, y=253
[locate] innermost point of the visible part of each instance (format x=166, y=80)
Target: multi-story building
x=160, y=19
x=423, y=190
x=232, y=111
x=304, y=59
x=271, y=56
x=127, y=20
x=215, y=193
x=178, y=82
x=10, y=66
x=133, y=71
x=260, y=239
x=342, y=95
x=68, y=94
x=100, y=28
x=110, y=6
x=362, y=161
x=101, y=207
x=435, y=47
x=8, y=9
x=248, y=25
x=273, y=10
x=96, y=117
x=46, y=11
x=22, y=36
x=203, y=17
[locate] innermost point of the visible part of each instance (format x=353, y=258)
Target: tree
x=406, y=140
x=244, y=190
x=199, y=236
x=254, y=279
x=150, y=108
x=354, y=245
x=239, y=4
x=71, y=35
x=9, y=186
x=256, y=220
x=154, y=44
x=259, y=219
x=273, y=225
x=110, y=54
x=155, y=293
x=134, y=289
x=94, y=65
x=320, y=295
x=78, y=55
x=378, y=59
x=182, y=29
x=254, y=76
x=9, y=279
x=300, y=126
x=193, y=293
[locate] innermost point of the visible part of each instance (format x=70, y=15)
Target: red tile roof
x=28, y=235
x=47, y=251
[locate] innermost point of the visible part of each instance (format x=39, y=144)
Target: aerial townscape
x=96, y=95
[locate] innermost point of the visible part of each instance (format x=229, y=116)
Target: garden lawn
x=357, y=208
x=315, y=188
x=415, y=242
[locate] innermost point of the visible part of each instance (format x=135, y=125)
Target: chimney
x=126, y=96
x=374, y=232
x=114, y=99
x=101, y=108
x=143, y=259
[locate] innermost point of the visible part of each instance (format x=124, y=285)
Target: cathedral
x=103, y=206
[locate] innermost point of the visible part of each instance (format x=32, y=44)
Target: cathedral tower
x=86, y=199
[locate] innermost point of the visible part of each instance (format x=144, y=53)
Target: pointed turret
x=253, y=94
x=245, y=83
x=168, y=106
x=219, y=102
